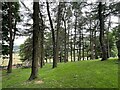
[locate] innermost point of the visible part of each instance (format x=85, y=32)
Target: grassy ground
x=81, y=74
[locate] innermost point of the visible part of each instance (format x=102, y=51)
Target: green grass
x=80, y=74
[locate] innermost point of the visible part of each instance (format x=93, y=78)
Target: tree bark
x=71, y=51
x=41, y=40
x=95, y=45
x=83, y=56
x=65, y=45
x=101, y=37
x=91, y=43
x=75, y=38
x=108, y=46
x=9, y=68
x=118, y=47
x=53, y=37
x=61, y=56
x=39, y=50
x=57, y=36
x=71, y=43
x=68, y=46
x=34, y=72
x=79, y=55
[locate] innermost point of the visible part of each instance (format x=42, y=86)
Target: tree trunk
x=71, y=51
x=75, y=38
x=91, y=43
x=53, y=37
x=95, y=46
x=101, y=38
x=65, y=55
x=42, y=50
x=108, y=47
x=34, y=72
x=39, y=49
x=9, y=68
x=68, y=46
x=61, y=56
x=83, y=56
x=71, y=47
x=118, y=47
x=57, y=36
x=79, y=55
x=61, y=53
x=87, y=55
x=41, y=39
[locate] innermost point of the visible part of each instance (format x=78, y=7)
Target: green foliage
x=5, y=24
x=48, y=45
x=82, y=74
x=5, y=50
x=112, y=45
x=5, y=29
x=26, y=50
x=116, y=32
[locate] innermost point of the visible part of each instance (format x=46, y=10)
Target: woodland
x=68, y=44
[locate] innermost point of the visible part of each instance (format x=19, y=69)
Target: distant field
x=16, y=60
x=80, y=74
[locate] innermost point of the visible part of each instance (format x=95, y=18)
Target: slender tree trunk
x=75, y=38
x=42, y=40
x=71, y=51
x=71, y=47
x=34, y=72
x=95, y=47
x=118, y=47
x=57, y=36
x=53, y=37
x=108, y=47
x=102, y=43
x=68, y=46
x=9, y=68
x=65, y=34
x=87, y=55
x=61, y=56
x=91, y=43
x=62, y=51
x=86, y=50
x=42, y=51
x=65, y=46
x=83, y=56
x=79, y=56
x=118, y=42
